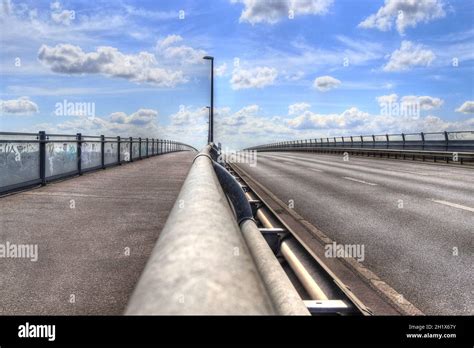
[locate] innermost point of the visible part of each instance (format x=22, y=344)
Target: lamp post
x=209, y=123
x=211, y=119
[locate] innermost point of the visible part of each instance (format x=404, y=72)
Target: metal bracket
x=327, y=307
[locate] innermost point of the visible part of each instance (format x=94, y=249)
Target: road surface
x=415, y=220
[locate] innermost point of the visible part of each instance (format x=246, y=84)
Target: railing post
x=118, y=150
x=352, y=141
x=446, y=139
x=388, y=141
x=373, y=141
x=139, y=147
x=403, y=145
x=79, y=153
x=102, y=151
x=422, y=140
x=42, y=156
x=131, y=150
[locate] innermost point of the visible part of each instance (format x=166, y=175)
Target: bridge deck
x=84, y=228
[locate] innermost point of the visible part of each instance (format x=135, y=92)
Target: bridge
x=367, y=225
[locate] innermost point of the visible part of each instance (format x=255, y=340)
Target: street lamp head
x=208, y=57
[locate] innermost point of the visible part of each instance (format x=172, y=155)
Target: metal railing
x=207, y=261
x=28, y=159
x=451, y=146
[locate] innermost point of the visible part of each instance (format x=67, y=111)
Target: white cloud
x=258, y=77
x=220, y=70
x=142, y=123
x=20, y=106
x=405, y=13
x=63, y=17
x=356, y=122
x=297, y=108
x=325, y=83
x=181, y=54
x=189, y=117
x=69, y=59
x=409, y=55
x=425, y=102
x=467, y=107
x=140, y=117
x=387, y=99
x=348, y=119
x=169, y=40
x=272, y=11
x=56, y=5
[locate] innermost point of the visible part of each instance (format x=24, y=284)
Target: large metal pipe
x=201, y=263
x=288, y=252
x=284, y=296
x=311, y=287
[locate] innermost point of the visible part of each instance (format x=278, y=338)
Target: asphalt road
x=415, y=220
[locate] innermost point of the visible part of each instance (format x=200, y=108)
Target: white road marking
x=361, y=181
x=454, y=205
x=316, y=170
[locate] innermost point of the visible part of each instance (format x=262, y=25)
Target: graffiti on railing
x=18, y=162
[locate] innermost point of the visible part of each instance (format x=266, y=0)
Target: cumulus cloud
x=424, y=102
x=387, y=99
x=297, y=108
x=169, y=49
x=141, y=123
x=354, y=122
x=109, y=61
x=141, y=117
x=258, y=77
x=187, y=116
x=409, y=55
x=20, y=106
x=347, y=119
x=220, y=70
x=325, y=83
x=405, y=13
x=272, y=11
x=467, y=107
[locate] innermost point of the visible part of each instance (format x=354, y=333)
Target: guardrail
x=208, y=262
x=450, y=146
x=28, y=159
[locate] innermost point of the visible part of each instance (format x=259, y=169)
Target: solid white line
x=361, y=181
x=454, y=205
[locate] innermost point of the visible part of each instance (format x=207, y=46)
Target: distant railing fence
x=28, y=159
x=448, y=145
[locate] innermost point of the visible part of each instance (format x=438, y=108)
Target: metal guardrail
x=205, y=263
x=450, y=146
x=28, y=159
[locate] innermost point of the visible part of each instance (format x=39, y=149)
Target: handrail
x=448, y=141
x=200, y=263
x=29, y=159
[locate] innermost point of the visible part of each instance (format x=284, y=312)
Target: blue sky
x=285, y=69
